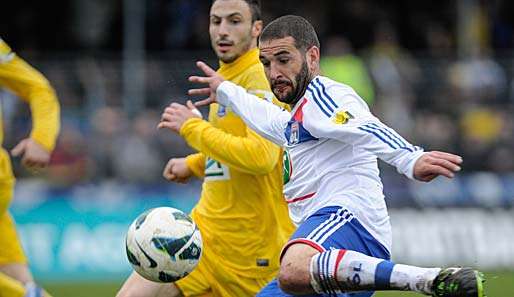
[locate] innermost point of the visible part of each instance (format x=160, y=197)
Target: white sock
x=337, y=271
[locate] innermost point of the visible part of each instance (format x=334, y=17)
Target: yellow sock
x=9, y=287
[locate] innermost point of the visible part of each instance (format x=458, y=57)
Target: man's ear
x=257, y=29
x=312, y=56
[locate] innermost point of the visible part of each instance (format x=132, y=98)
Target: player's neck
x=245, y=60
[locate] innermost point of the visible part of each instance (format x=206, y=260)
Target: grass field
x=498, y=284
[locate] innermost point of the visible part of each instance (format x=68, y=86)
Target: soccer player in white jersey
x=332, y=141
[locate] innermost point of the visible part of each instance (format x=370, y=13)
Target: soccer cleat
x=458, y=282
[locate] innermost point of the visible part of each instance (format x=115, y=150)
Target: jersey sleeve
x=351, y=122
x=266, y=118
x=30, y=85
x=251, y=153
x=196, y=163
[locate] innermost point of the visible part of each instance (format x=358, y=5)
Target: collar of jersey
x=230, y=70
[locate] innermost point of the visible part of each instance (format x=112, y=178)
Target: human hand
x=435, y=163
x=34, y=155
x=175, y=115
x=177, y=171
x=212, y=78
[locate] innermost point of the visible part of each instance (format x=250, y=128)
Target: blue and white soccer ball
x=163, y=244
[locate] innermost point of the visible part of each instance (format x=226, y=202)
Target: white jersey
x=331, y=142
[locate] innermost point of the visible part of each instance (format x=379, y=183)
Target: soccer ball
x=163, y=244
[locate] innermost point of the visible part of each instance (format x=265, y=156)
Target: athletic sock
x=337, y=271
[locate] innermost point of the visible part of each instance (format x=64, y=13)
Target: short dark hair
x=255, y=9
x=295, y=26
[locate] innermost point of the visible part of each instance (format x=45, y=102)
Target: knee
x=290, y=281
x=294, y=277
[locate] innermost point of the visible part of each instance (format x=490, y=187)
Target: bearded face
x=286, y=69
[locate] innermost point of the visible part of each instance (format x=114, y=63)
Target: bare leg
x=17, y=271
x=137, y=286
x=294, y=275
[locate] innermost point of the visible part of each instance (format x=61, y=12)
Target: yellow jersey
x=241, y=212
x=28, y=84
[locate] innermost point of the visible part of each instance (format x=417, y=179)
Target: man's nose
x=223, y=29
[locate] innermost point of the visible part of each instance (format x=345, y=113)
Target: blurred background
x=439, y=72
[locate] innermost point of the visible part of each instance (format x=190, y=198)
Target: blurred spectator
x=439, y=41
x=70, y=163
x=136, y=156
x=92, y=21
x=109, y=126
x=436, y=131
x=481, y=129
x=340, y=64
x=478, y=77
x=396, y=75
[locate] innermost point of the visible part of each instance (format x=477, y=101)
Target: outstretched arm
x=265, y=118
x=352, y=123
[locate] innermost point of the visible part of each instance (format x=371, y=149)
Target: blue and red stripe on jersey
x=295, y=131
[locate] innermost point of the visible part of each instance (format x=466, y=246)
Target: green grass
x=498, y=284
x=85, y=289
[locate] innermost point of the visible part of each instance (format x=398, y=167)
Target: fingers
x=204, y=102
x=199, y=79
x=438, y=170
x=168, y=125
x=193, y=108
x=171, y=112
x=19, y=148
x=197, y=92
x=446, y=164
x=33, y=164
x=447, y=156
x=432, y=164
x=168, y=171
x=205, y=68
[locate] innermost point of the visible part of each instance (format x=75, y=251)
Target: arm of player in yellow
x=30, y=85
x=196, y=163
x=251, y=153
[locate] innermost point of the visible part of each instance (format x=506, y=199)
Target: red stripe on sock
x=340, y=256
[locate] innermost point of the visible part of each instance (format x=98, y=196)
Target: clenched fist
x=177, y=171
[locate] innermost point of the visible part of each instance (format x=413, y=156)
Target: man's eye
x=235, y=22
x=265, y=63
x=283, y=61
x=215, y=21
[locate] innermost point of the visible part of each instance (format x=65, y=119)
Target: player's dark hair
x=255, y=9
x=295, y=26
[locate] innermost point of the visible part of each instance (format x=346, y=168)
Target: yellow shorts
x=10, y=247
x=212, y=279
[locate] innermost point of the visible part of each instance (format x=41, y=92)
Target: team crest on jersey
x=215, y=170
x=294, y=137
x=342, y=117
x=222, y=111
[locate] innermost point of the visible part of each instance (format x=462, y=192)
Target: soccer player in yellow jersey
x=28, y=84
x=241, y=213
